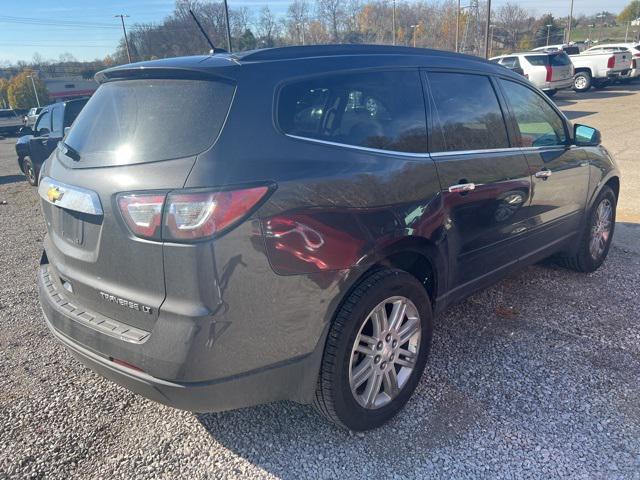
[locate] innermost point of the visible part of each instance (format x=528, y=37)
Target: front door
x=559, y=170
x=486, y=184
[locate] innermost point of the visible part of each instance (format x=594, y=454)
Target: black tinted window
x=537, y=121
x=383, y=110
x=7, y=114
x=72, y=110
x=56, y=119
x=137, y=121
x=510, y=62
x=468, y=112
x=538, y=60
x=560, y=60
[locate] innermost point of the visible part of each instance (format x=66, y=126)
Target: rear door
x=133, y=136
x=485, y=182
x=39, y=145
x=561, y=66
x=560, y=173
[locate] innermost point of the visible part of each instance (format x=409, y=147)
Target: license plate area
x=72, y=226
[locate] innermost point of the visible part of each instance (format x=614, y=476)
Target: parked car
x=549, y=71
x=35, y=145
x=598, y=69
x=569, y=49
x=631, y=48
x=30, y=118
x=9, y=122
x=285, y=223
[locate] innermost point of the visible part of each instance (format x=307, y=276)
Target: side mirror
x=586, y=136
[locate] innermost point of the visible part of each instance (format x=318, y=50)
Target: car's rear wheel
x=376, y=351
x=582, y=81
x=597, y=233
x=30, y=171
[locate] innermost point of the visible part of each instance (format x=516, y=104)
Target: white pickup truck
x=598, y=69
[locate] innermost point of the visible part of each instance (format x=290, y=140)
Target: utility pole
x=492, y=27
x=548, y=31
x=414, y=27
x=126, y=40
x=301, y=27
x=626, y=34
x=394, y=22
x=486, y=33
x=226, y=20
x=33, y=84
x=457, y=26
x=570, y=22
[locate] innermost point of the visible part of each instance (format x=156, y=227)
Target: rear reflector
x=611, y=62
x=143, y=213
x=198, y=215
x=122, y=363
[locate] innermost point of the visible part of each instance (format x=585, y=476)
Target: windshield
x=138, y=121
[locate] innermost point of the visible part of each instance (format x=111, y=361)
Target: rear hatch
x=133, y=136
x=560, y=66
x=621, y=63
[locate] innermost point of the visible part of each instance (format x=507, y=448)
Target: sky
x=88, y=29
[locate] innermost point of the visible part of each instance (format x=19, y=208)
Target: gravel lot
x=537, y=377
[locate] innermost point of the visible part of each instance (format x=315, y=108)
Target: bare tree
x=268, y=28
x=513, y=19
x=331, y=13
x=297, y=21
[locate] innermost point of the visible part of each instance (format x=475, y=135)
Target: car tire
x=597, y=234
x=582, y=81
x=550, y=93
x=389, y=368
x=30, y=171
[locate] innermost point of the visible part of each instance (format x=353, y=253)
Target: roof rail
x=288, y=53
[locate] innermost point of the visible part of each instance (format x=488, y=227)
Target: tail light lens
x=142, y=213
x=549, y=72
x=187, y=215
x=611, y=62
x=193, y=216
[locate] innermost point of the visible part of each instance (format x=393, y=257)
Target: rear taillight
x=549, y=72
x=184, y=215
x=611, y=62
x=142, y=213
x=193, y=216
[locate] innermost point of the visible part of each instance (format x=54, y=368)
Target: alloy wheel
x=385, y=352
x=601, y=229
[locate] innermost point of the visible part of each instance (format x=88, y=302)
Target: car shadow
x=575, y=114
x=6, y=179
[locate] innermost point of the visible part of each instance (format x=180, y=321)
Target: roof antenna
x=204, y=34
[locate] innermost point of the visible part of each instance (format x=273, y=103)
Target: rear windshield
x=138, y=121
x=560, y=60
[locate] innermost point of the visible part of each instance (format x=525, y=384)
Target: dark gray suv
x=230, y=230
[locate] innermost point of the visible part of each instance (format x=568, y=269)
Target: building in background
x=67, y=88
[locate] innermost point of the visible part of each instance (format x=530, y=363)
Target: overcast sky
x=91, y=31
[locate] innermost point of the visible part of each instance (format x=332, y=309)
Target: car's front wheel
x=376, y=351
x=30, y=171
x=582, y=81
x=595, y=240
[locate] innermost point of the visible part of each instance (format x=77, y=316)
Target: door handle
x=462, y=188
x=543, y=174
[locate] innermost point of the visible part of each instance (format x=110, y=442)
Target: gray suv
x=230, y=230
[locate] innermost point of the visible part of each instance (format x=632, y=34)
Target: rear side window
x=43, y=125
x=72, y=110
x=138, y=121
x=538, y=60
x=382, y=110
x=510, y=62
x=468, y=113
x=539, y=124
x=560, y=60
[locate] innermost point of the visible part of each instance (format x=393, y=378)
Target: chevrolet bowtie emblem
x=54, y=194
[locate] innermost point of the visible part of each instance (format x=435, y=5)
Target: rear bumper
x=291, y=379
x=558, y=85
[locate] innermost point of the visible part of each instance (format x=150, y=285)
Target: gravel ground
x=537, y=377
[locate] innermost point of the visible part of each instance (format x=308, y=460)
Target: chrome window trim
x=476, y=152
x=357, y=147
x=73, y=198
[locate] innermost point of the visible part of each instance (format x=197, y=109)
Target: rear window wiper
x=70, y=151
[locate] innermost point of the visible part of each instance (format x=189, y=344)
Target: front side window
x=56, y=119
x=538, y=122
x=43, y=127
x=381, y=110
x=468, y=113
